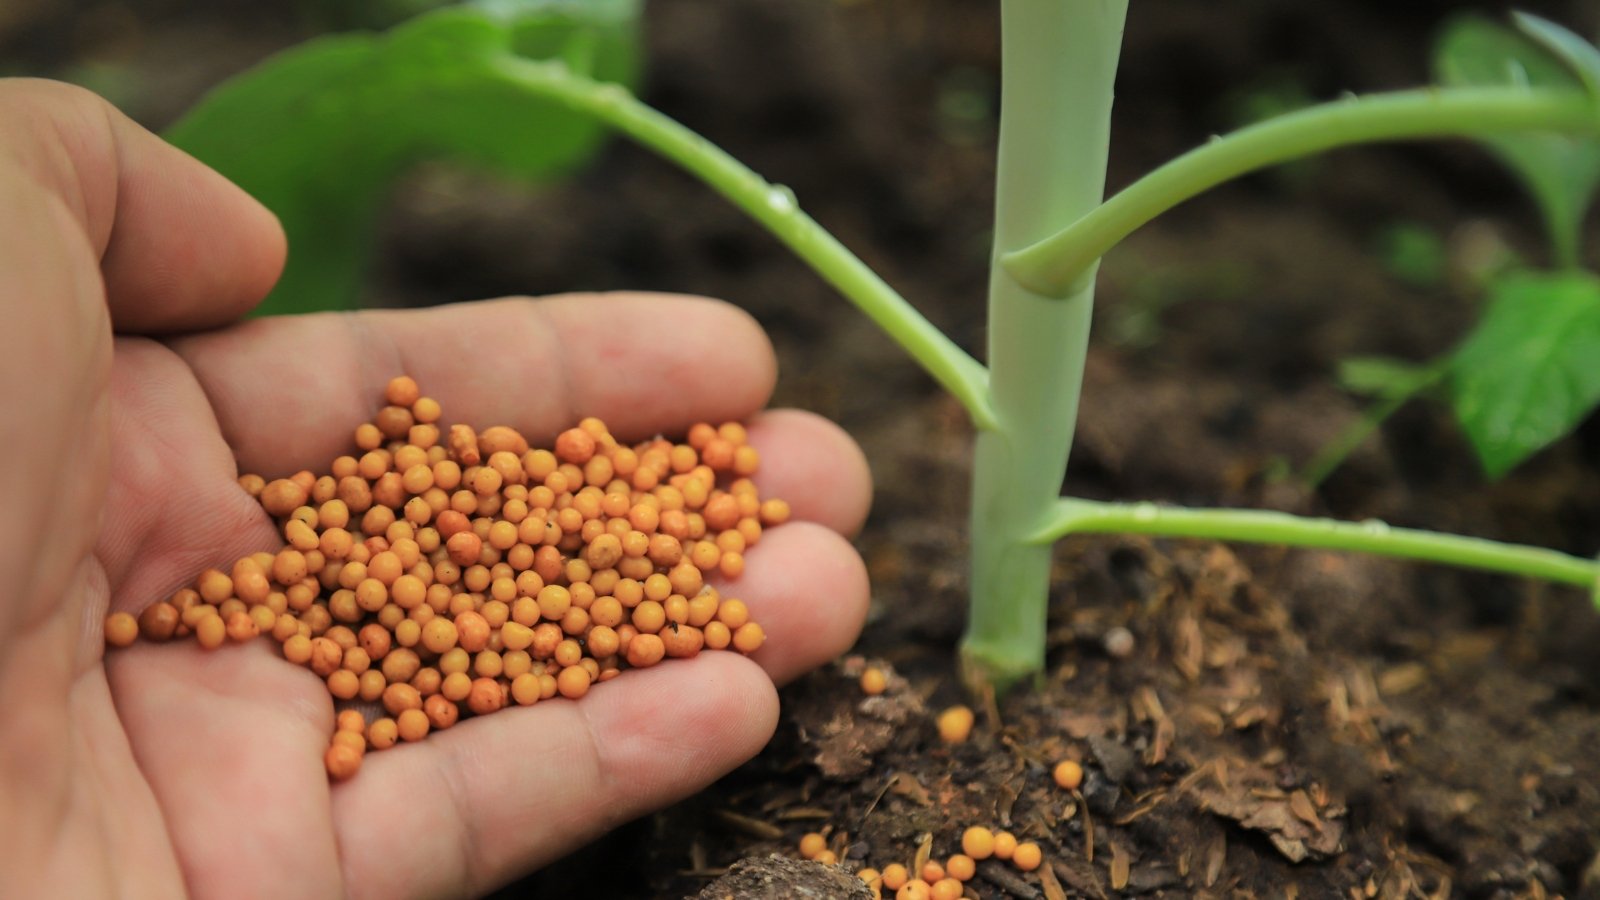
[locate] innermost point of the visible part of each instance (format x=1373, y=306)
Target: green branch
x=1075, y=516
x=1055, y=265
x=1334, y=454
x=775, y=208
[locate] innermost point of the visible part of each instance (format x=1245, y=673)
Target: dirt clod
x=782, y=878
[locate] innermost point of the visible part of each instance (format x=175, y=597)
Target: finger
x=289, y=391
x=178, y=245
x=807, y=588
x=496, y=796
x=231, y=742
x=815, y=466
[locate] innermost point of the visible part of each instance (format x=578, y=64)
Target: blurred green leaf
x=1381, y=376
x=319, y=133
x=1560, y=171
x=1581, y=57
x=1530, y=371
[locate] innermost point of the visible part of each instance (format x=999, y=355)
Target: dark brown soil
x=1286, y=723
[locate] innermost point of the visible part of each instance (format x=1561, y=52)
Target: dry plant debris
x=451, y=573
x=847, y=737
x=1297, y=826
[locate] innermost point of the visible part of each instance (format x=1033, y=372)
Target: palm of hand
x=164, y=767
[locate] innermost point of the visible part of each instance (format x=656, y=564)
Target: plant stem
x=1059, y=61
x=1333, y=455
x=1058, y=264
x=1076, y=516
x=773, y=206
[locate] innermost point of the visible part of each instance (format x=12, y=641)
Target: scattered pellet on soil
x=927, y=878
x=978, y=842
x=874, y=682
x=451, y=572
x=915, y=889
x=955, y=724
x=1068, y=775
x=812, y=844
x=1027, y=856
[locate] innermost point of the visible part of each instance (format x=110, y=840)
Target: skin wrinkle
x=55, y=160
x=91, y=634
x=41, y=782
x=151, y=503
x=75, y=804
x=57, y=555
x=147, y=513
x=467, y=833
x=96, y=684
x=221, y=689
x=213, y=402
x=557, y=349
x=471, y=833
x=373, y=378
x=469, y=762
x=113, y=194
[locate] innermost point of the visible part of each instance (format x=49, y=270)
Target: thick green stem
x=1059, y=264
x=1059, y=62
x=1074, y=516
x=775, y=208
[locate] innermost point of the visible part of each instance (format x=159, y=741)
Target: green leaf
x=1581, y=57
x=1530, y=371
x=320, y=132
x=1561, y=171
x=1381, y=376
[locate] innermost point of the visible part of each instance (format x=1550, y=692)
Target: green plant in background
x=1051, y=228
x=320, y=132
x=1413, y=254
x=1526, y=375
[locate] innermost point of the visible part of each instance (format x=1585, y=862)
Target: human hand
x=164, y=768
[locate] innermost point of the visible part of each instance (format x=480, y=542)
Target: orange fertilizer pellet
x=448, y=572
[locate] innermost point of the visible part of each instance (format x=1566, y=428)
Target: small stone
x=1118, y=643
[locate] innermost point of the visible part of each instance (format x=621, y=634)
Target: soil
x=1284, y=723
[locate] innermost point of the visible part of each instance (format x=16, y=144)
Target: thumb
x=179, y=247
